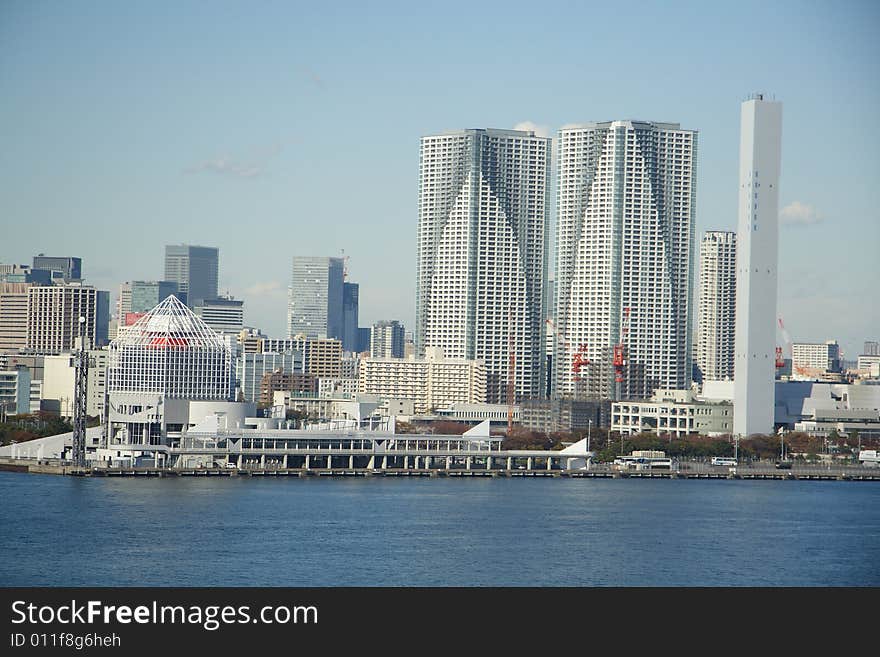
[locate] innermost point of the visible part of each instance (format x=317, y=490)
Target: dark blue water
x=64, y=531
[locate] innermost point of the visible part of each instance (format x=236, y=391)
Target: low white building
x=59, y=375
x=496, y=413
x=676, y=412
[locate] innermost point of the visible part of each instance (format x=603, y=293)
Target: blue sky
x=278, y=129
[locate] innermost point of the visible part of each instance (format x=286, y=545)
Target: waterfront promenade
x=513, y=464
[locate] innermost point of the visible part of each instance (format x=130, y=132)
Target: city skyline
x=225, y=158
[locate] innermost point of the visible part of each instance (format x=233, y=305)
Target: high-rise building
x=223, y=315
x=871, y=348
x=315, y=302
x=54, y=312
x=482, y=253
x=195, y=269
x=757, y=239
x=123, y=302
x=626, y=201
x=386, y=339
x=68, y=268
x=146, y=295
x=717, y=307
x=350, y=294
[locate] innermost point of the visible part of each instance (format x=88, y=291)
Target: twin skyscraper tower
x=619, y=312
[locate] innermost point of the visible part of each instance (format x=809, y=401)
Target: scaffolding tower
x=80, y=397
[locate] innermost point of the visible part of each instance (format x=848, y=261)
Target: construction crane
x=618, y=358
x=511, y=367
x=345, y=260
x=780, y=356
x=580, y=359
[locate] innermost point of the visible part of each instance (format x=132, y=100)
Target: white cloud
x=265, y=289
x=799, y=214
x=540, y=130
x=252, y=165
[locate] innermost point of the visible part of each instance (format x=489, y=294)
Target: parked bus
x=724, y=460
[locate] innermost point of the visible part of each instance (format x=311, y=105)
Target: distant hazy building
x=26, y=274
x=431, y=382
x=296, y=383
x=15, y=391
x=145, y=295
x=624, y=257
x=350, y=294
x=224, y=314
x=69, y=268
x=315, y=301
x=809, y=360
x=757, y=249
x=482, y=253
x=871, y=348
x=13, y=316
x=251, y=368
x=386, y=339
x=322, y=357
x=195, y=269
x=869, y=366
x=549, y=415
x=59, y=375
x=54, y=312
x=716, y=322
x=364, y=336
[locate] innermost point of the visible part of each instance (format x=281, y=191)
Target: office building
x=146, y=295
x=13, y=316
x=59, y=376
x=195, y=269
x=53, y=317
x=626, y=200
x=297, y=383
x=15, y=392
x=811, y=360
x=482, y=253
x=250, y=369
x=350, y=294
x=430, y=383
x=757, y=251
x=674, y=413
x=67, y=268
x=364, y=336
x=717, y=306
x=321, y=357
x=315, y=301
x=871, y=348
x=223, y=315
x=386, y=339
